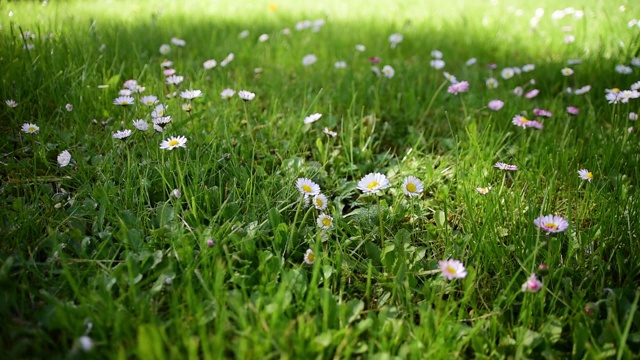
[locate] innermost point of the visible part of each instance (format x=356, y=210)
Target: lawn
x=330, y=179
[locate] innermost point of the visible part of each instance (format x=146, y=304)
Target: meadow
x=332, y=179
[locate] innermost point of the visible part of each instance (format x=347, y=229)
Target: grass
x=101, y=248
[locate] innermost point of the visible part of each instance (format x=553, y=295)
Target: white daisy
x=246, y=95
x=309, y=257
x=210, y=64
x=123, y=101
x=372, y=183
x=123, y=134
x=320, y=202
x=324, y=221
x=149, y=100
x=412, y=186
x=312, y=118
x=227, y=94
x=64, y=158
x=307, y=187
x=191, y=94
x=141, y=125
x=30, y=128
x=174, y=142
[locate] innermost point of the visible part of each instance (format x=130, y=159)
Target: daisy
x=483, y=190
x=312, y=118
x=173, y=142
x=528, y=68
x=569, y=39
x=11, y=104
x=521, y=121
x=86, y=343
x=583, y=90
x=518, y=91
x=160, y=120
x=507, y=73
x=329, y=132
x=372, y=183
x=176, y=193
x=178, y=42
x=437, y=64
x=263, y=37
x=436, y=54
x=159, y=111
x=572, y=110
x=574, y=62
x=69, y=107
x=532, y=284
x=123, y=100
x=495, y=105
x=503, y=166
x=376, y=70
x=633, y=116
x=227, y=60
x=174, y=79
x=168, y=72
x=395, y=39
x=452, y=269
x=471, y=61
x=165, y=49
x=452, y=79
x=457, y=88
x=624, y=70
x=187, y=107
x=125, y=92
x=585, y=174
x=320, y=202
x=309, y=257
x=542, y=112
x=635, y=61
x=492, y=83
x=191, y=94
x=64, y=158
x=340, y=65
x=149, y=100
x=388, y=71
x=324, y=221
x=140, y=125
x=158, y=128
x=227, y=94
x=309, y=60
x=531, y=94
x=361, y=47
x=121, y=135
x=243, y=34
x=166, y=64
x=567, y=71
x=551, y=223
x=307, y=187
x=412, y=186
x=139, y=89
x=246, y=95
x=210, y=64
x=30, y=128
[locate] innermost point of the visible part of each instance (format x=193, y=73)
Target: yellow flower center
x=372, y=185
x=450, y=269
x=326, y=222
x=311, y=257
x=411, y=187
x=319, y=202
x=32, y=129
x=524, y=120
x=615, y=90
x=551, y=226
x=306, y=188
x=589, y=175
x=174, y=142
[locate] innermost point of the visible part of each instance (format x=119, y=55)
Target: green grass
x=101, y=248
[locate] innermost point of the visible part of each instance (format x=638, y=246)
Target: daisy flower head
x=141, y=125
x=492, y=83
x=168, y=72
x=149, y=100
x=309, y=257
x=227, y=60
x=532, y=284
x=174, y=80
x=123, y=101
x=569, y=39
x=633, y=116
x=64, y=158
x=437, y=64
x=320, y=202
x=12, y=104
x=121, y=135
x=388, y=71
x=30, y=128
x=161, y=120
x=567, y=71
x=452, y=269
x=125, y=92
x=507, y=73
x=191, y=94
x=157, y=128
x=340, y=65
x=457, y=88
x=583, y=90
x=329, y=132
x=174, y=142
x=165, y=49
x=307, y=187
x=531, y=94
x=209, y=64
x=471, y=61
x=227, y=94
x=263, y=38
x=308, y=60
x=243, y=34
x=483, y=190
x=542, y=112
x=551, y=223
x=376, y=70
x=635, y=61
x=572, y=110
x=187, y=107
x=504, y=166
x=159, y=111
x=623, y=69
x=395, y=39
x=360, y=47
x=495, y=105
x=528, y=68
x=312, y=118
x=585, y=174
x=412, y=186
x=436, y=54
x=246, y=95
x=324, y=221
x=166, y=64
x=518, y=91
x=521, y=121
x=178, y=42
x=372, y=183
x=452, y=78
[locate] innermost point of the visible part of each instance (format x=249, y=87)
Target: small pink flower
x=532, y=284
x=503, y=166
x=210, y=242
x=531, y=94
x=542, y=112
x=492, y=65
x=374, y=60
x=496, y=105
x=169, y=72
x=573, y=110
x=457, y=88
x=518, y=91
